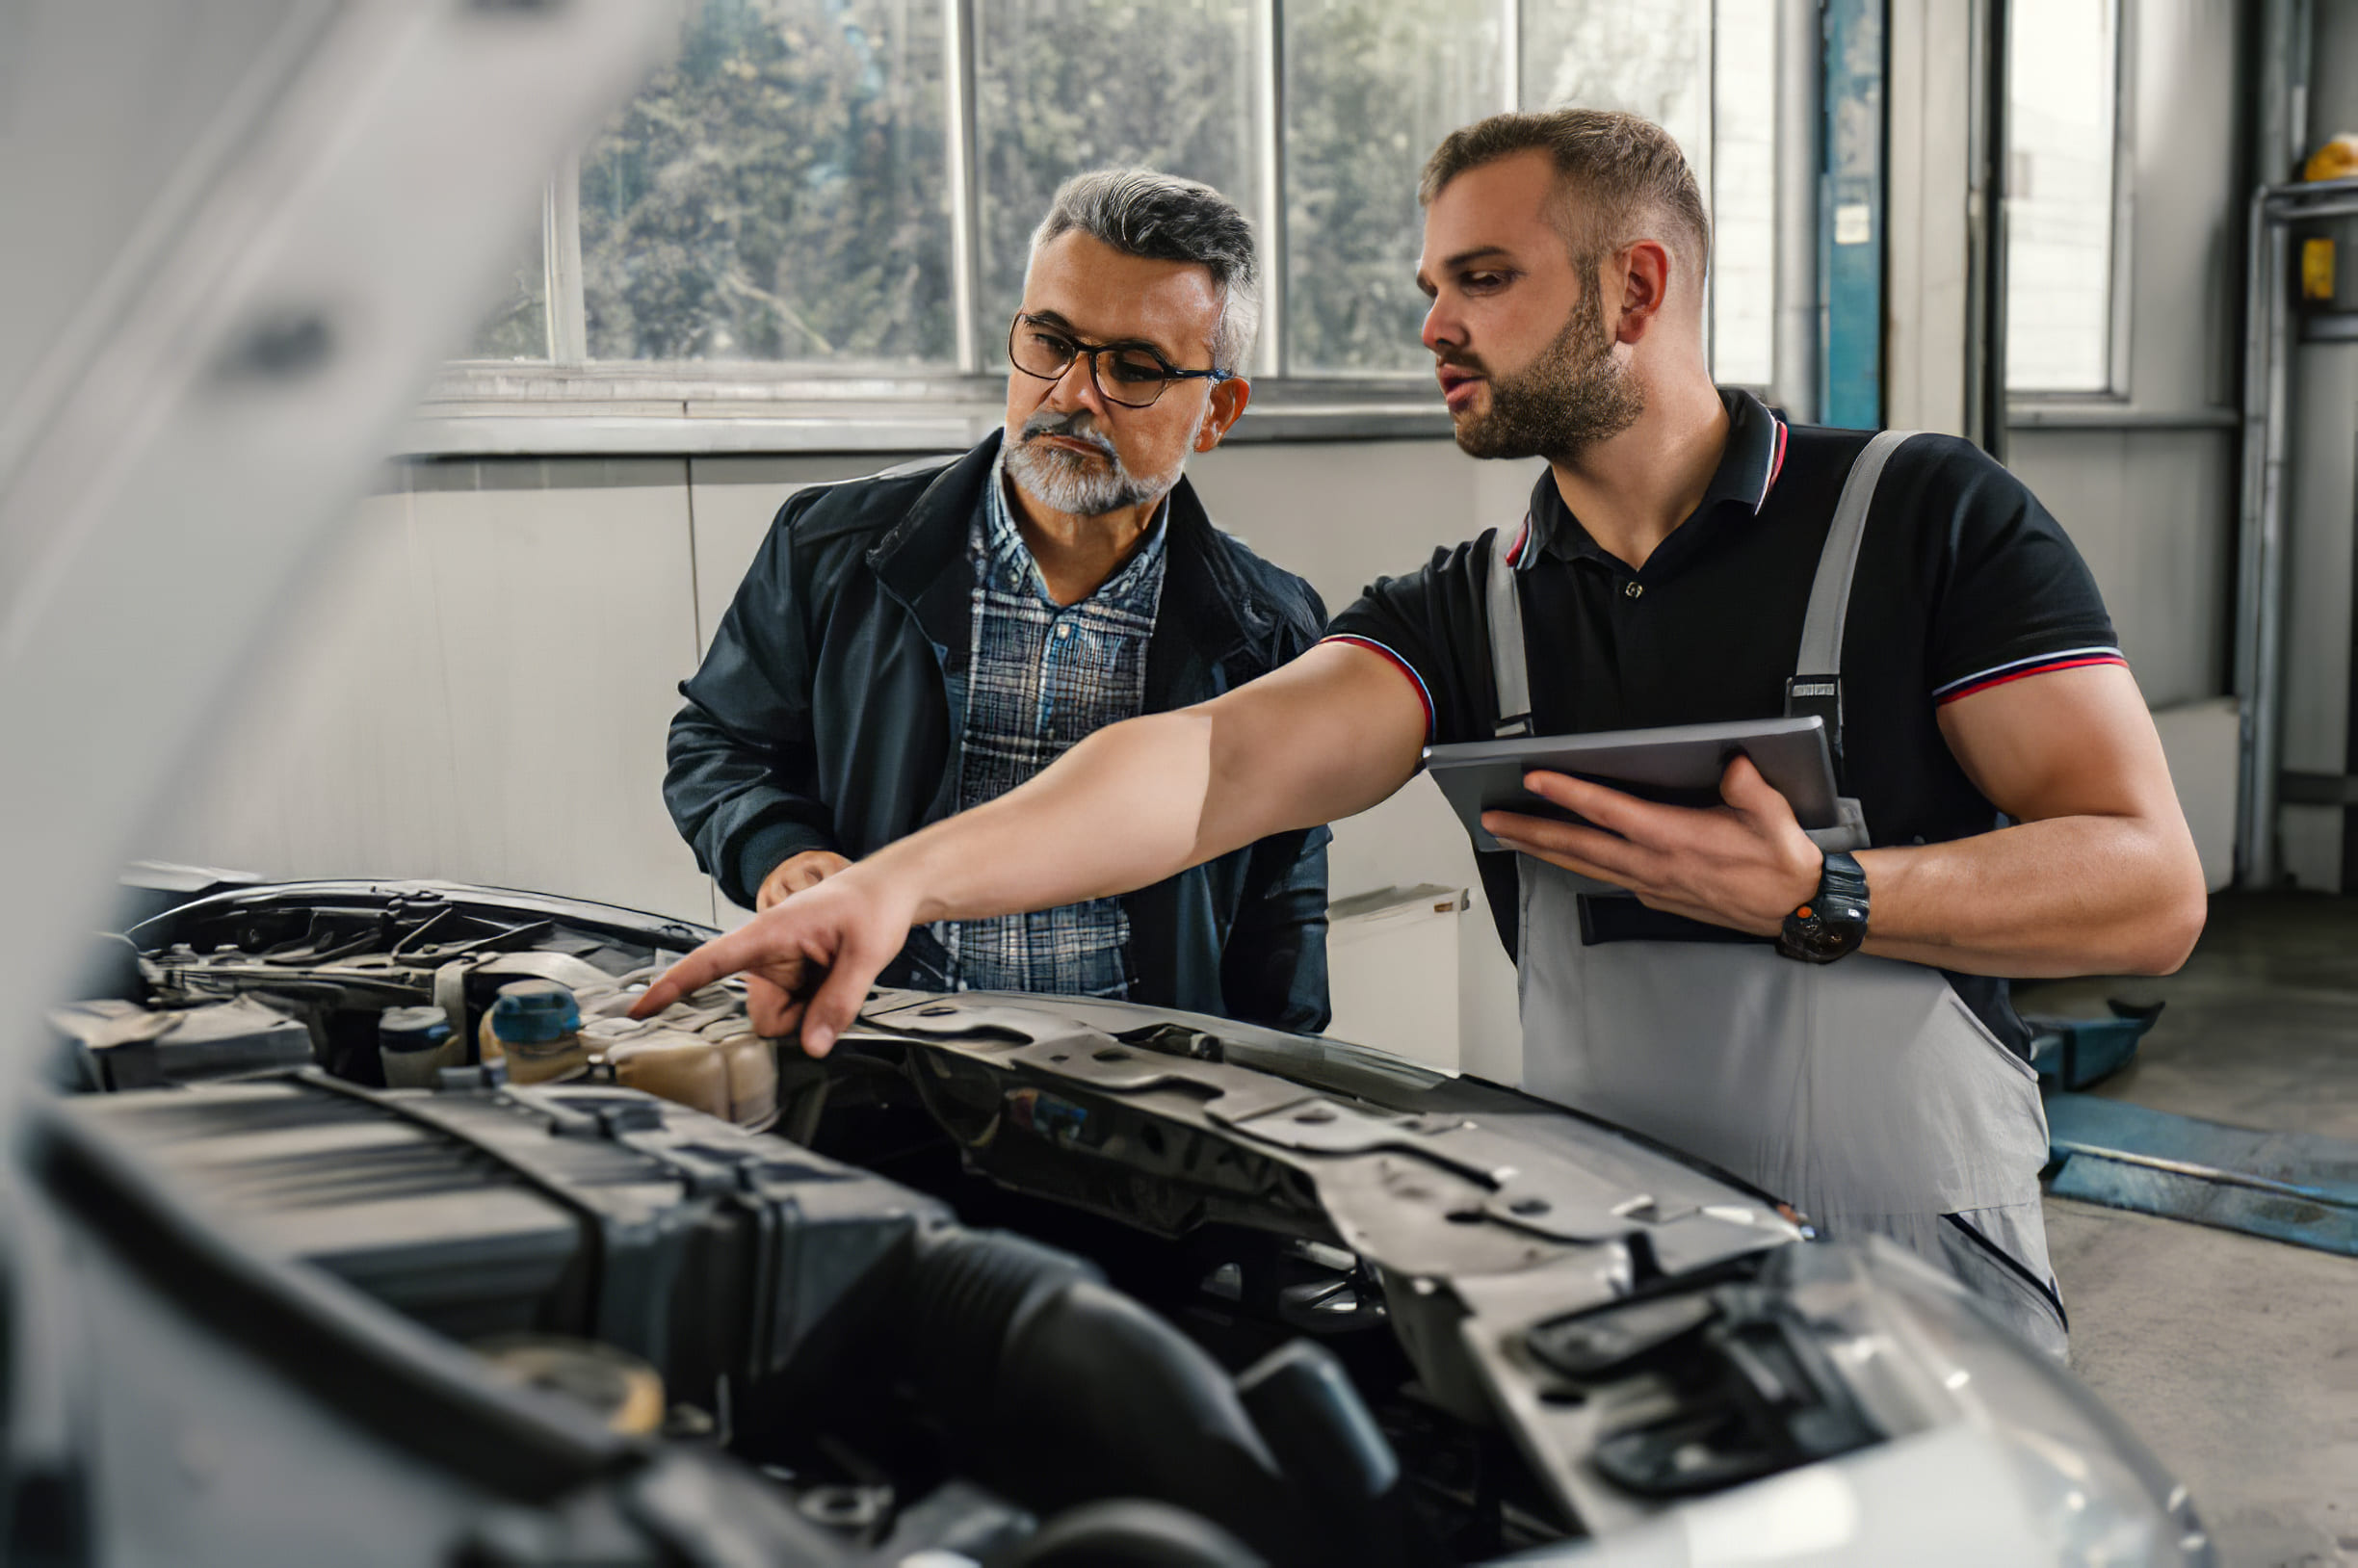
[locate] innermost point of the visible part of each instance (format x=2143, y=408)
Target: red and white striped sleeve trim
x=2040, y=663
x=1424, y=693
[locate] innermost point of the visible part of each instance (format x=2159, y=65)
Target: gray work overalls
x=1865, y=1092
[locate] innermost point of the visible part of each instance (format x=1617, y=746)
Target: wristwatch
x=1834, y=922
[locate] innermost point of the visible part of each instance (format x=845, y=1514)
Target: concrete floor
x=2235, y=1358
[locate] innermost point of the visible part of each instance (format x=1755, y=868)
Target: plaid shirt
x=1043, y=676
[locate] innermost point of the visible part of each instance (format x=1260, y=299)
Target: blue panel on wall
x=1851, y=218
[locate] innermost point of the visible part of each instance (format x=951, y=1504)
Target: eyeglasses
x=1130, y=373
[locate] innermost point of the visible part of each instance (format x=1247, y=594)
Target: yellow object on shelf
x=2318, y=271
x=2335, y=159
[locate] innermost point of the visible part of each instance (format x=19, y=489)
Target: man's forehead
x=1088, y=287
x=1512, y=208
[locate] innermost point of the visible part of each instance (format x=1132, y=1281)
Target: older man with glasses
x=915, y=643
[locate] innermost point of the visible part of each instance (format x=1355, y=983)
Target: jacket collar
x=1211, y=611
x=922, y=557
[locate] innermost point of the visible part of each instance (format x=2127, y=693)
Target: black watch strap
x=1834, y=921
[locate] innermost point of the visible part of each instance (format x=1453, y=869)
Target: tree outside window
x=780, y=194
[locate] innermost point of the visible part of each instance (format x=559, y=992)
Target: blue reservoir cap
x=412, y=1029
x=535, y=1012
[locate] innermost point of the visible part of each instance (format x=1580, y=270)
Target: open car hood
x=1645, y=1335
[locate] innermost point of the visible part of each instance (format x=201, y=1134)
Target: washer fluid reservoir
x=536, y=1024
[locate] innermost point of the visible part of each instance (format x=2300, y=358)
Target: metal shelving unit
x=2273, y=324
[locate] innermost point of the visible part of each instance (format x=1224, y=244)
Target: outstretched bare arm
x=1327, y=736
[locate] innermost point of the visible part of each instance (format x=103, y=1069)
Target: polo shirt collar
x=1747, y=471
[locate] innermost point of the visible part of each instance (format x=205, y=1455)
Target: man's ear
x=1637, y=278
x=1223, y=408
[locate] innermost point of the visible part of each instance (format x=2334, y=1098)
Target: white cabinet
x=1392, y=964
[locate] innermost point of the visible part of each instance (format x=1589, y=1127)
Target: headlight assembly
x=2087, y=1486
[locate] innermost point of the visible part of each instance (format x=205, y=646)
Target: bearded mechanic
x=1830, y=1026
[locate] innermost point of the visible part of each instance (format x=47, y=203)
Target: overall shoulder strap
x=1510, y=665
x=1816, y=687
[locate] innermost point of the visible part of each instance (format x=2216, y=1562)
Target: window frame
x=2120, y=285
x=568, y=402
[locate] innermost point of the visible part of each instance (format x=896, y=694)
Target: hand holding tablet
x=1677, y=764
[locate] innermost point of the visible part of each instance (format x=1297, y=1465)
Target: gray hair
x=1163, y=218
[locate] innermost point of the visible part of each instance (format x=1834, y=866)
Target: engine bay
x=1002, y=1273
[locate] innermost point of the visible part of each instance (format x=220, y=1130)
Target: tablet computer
x=1679, y=765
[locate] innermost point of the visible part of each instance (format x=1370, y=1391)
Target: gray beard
x=1072, y=483
x=1575, y=396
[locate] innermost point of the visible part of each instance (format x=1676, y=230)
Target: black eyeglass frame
x=1083, y=348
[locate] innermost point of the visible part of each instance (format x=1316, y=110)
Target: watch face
x=1813, y=939
x=1832, y=924
x=1811, y=935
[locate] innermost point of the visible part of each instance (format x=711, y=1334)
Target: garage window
x=2067, y=199
x=830, y=188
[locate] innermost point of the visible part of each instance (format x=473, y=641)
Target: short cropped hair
x=1161, y=218
x=1627, y=167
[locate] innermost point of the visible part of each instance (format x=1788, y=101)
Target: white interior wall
x=2150, y=511
x=475, y=687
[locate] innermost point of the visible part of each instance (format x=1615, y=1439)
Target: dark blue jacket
x=821, y=721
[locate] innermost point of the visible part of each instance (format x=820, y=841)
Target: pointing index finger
x=717, y=959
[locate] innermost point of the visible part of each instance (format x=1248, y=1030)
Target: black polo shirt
x=1964, y=582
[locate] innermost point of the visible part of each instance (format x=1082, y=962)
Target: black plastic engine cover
x=602, y=1213
x=122, y=1045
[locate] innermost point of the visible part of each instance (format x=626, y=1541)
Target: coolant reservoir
x=414, y=1044
x=734, y=1078
x=536, y=1024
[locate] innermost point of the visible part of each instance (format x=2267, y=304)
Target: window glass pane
x=2061, y=80
x=777, y=194
x=1371, y=86
x=1743, y=193
x=517, y=327
x=1648, y=57
x=1657, y=57
x=1063, y=85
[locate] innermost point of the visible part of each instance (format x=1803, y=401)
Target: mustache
x=1457, y=360
x=1078, y=426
